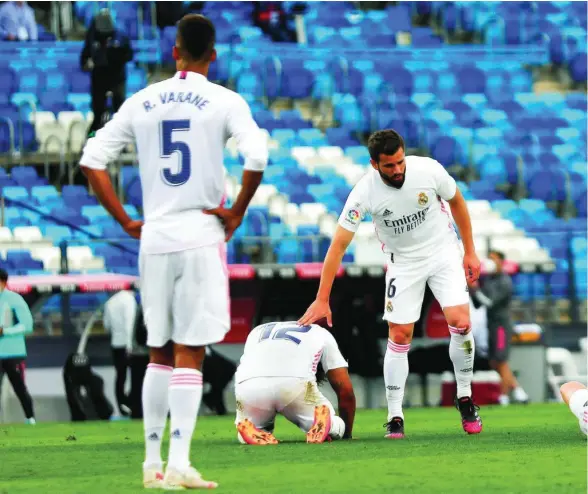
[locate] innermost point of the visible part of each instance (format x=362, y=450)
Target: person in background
x=105, y=55
x=17, y=22
x=16, y=321
x=495, y=294
x=273, y=21
x=169, y=13
x=119, y=321
x=218, y=372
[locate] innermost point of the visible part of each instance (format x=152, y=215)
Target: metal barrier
x=47, y=156
x=10, y=126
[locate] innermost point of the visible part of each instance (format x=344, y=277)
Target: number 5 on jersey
x=169, y=147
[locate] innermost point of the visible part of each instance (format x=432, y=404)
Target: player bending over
x=278, y=374
x=575, y=396
x=180, y=127
x=404, y=195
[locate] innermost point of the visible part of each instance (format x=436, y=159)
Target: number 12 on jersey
x=283, y=333
x=169, y=146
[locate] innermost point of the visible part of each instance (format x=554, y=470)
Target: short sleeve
x=444, y=183
x=110, y=140
x=356, y=207
x=250, y=140
x=332, y=358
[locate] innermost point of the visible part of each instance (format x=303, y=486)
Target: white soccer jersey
x=180, y=127
x=285, y=349
x=411, y=222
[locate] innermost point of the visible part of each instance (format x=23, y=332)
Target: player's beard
x=397, y=184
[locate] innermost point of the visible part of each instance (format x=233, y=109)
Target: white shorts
x=261, y=398
x=406, y=282
x=185, y=296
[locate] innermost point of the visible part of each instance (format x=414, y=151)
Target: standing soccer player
x=180, y=126
x=404, y=195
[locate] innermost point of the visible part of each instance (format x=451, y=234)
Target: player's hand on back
x=133, y=228
x=319, y=309
x=229, y=219
x=471, y=265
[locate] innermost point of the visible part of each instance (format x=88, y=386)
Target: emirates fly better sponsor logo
x=407, y=222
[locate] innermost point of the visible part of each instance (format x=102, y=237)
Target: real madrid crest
x=389, y=307
x=423, y=199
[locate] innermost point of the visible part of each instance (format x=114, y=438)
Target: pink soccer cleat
x=321, y=427
x=470, y=420
x=254, y=436
x=395, y=428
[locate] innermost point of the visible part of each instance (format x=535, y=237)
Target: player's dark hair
x=321, y=375
x=196, y=37
x=3, y=275
x=498, y=254
x=384, y=142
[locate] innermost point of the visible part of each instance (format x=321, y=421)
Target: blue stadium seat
x=69, y=215
x=494, y=170
x=312, y=137
x=16, y=193
x=359, y=154
x=547, y=185
x=578, y=67
x=287, y=251
x=94, y=212
x=44, y=193
x=286, y=137
x=446, y=151
x=341, y=136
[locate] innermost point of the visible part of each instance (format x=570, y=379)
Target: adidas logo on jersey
x=387, y=212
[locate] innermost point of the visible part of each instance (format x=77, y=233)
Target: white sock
x=519, y=394
x=185, y=393
x=395, y=375
x=155, y=407
x=461, y=352
x=337, y=428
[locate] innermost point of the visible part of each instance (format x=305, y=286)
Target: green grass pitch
x=534, y=449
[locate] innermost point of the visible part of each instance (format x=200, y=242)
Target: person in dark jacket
x=105, y=55
x=495, y=293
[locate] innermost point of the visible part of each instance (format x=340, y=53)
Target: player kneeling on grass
x=575, y=395
x=278, y=374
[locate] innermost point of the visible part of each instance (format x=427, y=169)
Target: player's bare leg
x=254, y=436
x=185, y=395
x=321, y=427
x=461, y=352
x=395, y=375
x=508, y=384
x=155, y=409
x=575, y=395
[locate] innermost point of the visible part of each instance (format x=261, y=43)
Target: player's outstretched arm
x=341, y=384
x=320, y=307
x=461, y=215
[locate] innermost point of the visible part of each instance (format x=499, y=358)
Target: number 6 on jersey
x=391, y=288
x=168, y=147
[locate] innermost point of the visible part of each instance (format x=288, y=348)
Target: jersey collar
x=186, y=75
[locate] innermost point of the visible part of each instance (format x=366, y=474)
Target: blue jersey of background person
x=16, y=321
